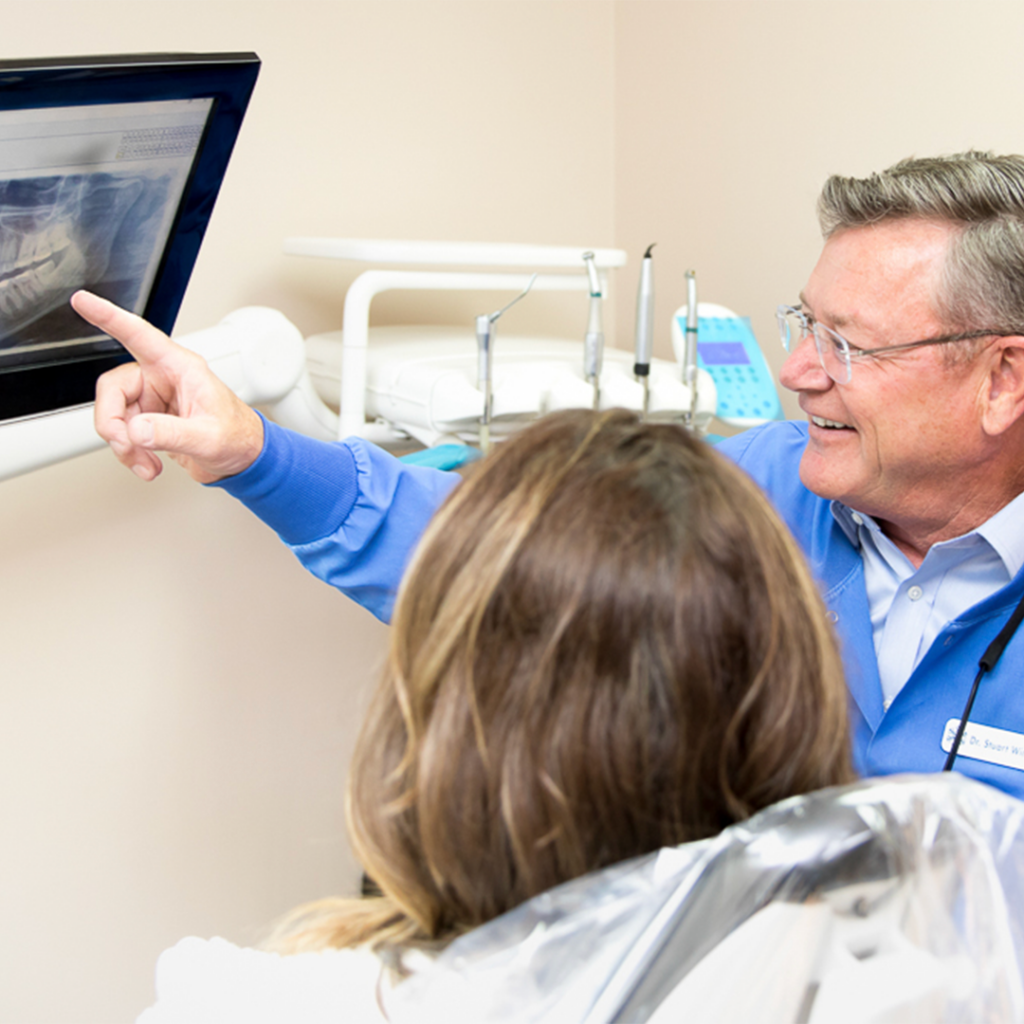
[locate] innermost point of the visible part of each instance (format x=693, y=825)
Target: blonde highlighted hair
x=607, y=643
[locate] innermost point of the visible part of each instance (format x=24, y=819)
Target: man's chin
x=823, y=477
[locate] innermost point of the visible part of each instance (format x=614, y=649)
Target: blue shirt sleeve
x=351, y=512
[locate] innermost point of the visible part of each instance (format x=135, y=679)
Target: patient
x=606, y=644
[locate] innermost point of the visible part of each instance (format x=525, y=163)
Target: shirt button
x=858, y=518
x=832, y=616
x=915, y=593
x=886, y=704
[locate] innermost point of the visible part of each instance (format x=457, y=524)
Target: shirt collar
x=844, y=516
x=1004, y=531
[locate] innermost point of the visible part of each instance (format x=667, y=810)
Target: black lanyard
x=986, y=663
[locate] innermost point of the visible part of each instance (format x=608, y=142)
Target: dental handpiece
x=484, y=334
x=484, y=369
x=645, y=326
x=690, y=348
x=593, y=344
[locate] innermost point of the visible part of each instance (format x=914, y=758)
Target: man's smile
x=820, y=421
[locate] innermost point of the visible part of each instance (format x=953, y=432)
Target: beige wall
x=178, y=698
x=730, y=115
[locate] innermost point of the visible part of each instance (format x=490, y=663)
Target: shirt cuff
x=300, y=487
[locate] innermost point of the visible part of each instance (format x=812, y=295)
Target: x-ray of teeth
x=62, y=233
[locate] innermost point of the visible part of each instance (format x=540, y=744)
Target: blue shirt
x=353, y=515
x=911, y=734
x=909, y=607
x=351, y=512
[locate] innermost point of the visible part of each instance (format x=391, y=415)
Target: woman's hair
x=606, y=643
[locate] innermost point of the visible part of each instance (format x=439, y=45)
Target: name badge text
x=983, y=743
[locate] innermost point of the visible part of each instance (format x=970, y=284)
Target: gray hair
x=979, y=194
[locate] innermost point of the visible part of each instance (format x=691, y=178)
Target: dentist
x=903, y=487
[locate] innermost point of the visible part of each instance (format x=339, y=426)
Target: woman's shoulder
x=214, y=980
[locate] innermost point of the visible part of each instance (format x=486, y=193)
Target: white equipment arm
x=256, y=351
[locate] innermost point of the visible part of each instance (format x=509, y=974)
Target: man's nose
x=802, y=370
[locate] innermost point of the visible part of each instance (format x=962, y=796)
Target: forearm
x=351, y=512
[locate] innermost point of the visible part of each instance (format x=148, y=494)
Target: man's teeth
x=819, y=421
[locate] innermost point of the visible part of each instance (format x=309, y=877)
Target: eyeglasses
x=836, y=354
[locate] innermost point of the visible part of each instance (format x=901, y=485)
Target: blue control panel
x=728, y=351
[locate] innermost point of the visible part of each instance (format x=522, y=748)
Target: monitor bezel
x=226, y=78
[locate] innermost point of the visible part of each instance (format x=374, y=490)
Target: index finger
x=144, y=341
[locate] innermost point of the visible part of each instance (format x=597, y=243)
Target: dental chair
x=894, y=899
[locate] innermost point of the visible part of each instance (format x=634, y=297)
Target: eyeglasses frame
x=847, y=352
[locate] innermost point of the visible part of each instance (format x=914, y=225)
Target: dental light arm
x=44, y=440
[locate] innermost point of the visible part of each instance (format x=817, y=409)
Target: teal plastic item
x=728, y=350
x=444, y=456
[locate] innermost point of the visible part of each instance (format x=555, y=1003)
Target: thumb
x=200, y=443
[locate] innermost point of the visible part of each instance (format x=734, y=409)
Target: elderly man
x=904, y=486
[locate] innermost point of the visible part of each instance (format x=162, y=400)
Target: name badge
x=983, y=743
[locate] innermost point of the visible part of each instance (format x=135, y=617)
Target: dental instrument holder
x=372, y=282
x=690, y=375
x=645, y=328
x=484, y=337
x=593, y=344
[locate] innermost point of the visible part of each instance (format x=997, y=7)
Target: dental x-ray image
x=99, y=231
x=109, y=170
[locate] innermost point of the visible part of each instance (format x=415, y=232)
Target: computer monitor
x=109, y=169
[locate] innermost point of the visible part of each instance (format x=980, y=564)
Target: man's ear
x=1003, y=405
